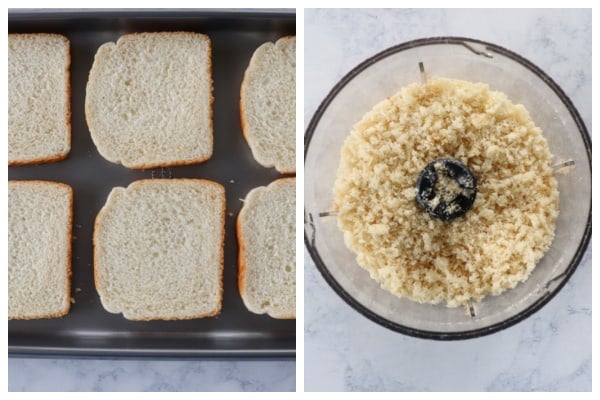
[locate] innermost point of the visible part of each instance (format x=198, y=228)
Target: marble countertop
x=551, y=350
x=70, y=375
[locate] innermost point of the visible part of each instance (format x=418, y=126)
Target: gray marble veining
x=550, y=350
x=150, y=375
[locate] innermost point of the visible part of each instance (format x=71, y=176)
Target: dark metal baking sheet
x=88, y=330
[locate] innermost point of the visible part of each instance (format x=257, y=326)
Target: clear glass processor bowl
x=385, y=74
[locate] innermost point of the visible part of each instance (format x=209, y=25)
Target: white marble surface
x=551, y=350
x=26, y=374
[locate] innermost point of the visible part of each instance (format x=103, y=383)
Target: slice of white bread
x=158, y=249
x=39, y=105
x=149, y=100
x=266, y=231
x=39, y=249
x=268, y=105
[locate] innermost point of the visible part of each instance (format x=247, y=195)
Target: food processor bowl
x=382, y=76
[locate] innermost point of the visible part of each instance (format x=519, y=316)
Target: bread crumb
x=379, y=229
x=490, y=249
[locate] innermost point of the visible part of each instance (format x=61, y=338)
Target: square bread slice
x=268, y=105
x=266, y=231
x=39, y=249
x=158, y=249
x=149, y=100
x=39, y=105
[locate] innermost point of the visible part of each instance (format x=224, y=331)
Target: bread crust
x=92, y=78
x=242, y=267
x=59, y=156
x=242, y=108
x=141, y=182
x=69, y=233
x=36, y=161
